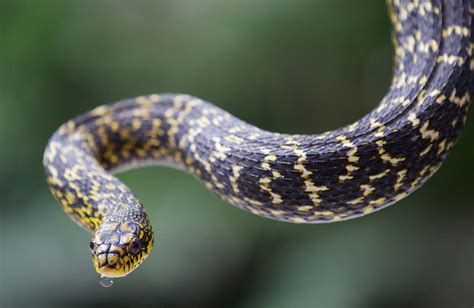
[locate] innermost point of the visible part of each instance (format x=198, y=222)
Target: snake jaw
x=116, y=260
x=109, y=270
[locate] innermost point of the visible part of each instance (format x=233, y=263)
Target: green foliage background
x=290, y=66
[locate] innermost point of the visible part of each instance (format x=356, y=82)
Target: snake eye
x=92, y=246
x=135, y=247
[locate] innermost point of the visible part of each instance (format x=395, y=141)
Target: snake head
x=120, y=247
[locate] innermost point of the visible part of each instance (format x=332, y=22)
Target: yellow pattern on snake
x=337, y=175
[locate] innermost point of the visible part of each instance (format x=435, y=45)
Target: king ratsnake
x=337, y=175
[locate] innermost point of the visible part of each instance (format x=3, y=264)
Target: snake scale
x=337, y=175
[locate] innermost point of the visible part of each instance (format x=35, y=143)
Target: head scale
x=120, y=247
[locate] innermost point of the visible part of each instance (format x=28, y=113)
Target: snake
x=298, y=178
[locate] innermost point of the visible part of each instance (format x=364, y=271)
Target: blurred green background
x=290, y=66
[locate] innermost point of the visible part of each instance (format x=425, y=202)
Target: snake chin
x=119, y=248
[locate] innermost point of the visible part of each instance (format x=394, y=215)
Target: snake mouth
x=110, y=265
x=109, y=259
x=107, y=271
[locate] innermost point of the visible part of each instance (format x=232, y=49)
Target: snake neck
x=77, y=179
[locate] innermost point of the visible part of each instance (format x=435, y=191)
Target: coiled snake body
x=341, y=174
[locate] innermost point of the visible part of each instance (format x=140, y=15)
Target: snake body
x=337, y=175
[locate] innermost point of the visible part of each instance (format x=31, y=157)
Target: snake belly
x=337, y=175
